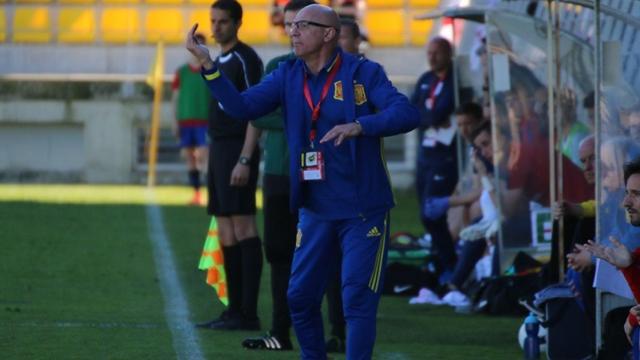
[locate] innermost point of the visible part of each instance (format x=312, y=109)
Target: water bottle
x=532, y=341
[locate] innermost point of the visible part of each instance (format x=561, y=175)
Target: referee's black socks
x=233, y=268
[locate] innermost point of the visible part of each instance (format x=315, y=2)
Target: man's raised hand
x=198, y=50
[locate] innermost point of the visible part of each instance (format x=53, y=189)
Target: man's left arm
x=395, y=114
x=241, y=171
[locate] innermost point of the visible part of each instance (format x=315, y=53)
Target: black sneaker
x=335, y=345
x=225, y=316
x=267, y=342
x=234, y=322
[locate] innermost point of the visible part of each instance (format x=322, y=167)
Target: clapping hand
x=617, y=255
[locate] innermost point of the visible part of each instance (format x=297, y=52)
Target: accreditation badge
x=311, y=165
x=428, y=103
x=428, y=139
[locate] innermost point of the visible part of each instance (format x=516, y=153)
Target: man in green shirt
x=280, y=225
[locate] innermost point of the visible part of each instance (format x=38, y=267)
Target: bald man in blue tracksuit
x=339, y=181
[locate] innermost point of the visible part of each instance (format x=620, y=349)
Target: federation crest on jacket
x=337, y=90
x=359, y=94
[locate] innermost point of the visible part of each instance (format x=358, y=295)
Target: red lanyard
x=315, y=110
x=432, y=93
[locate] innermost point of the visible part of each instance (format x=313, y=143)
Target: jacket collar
x=329, y=65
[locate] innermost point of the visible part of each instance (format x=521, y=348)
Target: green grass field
x=78, y=281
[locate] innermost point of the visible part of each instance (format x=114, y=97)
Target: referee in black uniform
x=234, y=156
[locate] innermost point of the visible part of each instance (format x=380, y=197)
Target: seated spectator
x=613, y=223
x=579, y=226
x=469, y=116
x=461, y=210
x=612, y=220
x=475, y=237
x=579, y=222
x=617, y=253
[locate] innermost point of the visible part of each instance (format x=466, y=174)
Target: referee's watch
x=243, y=160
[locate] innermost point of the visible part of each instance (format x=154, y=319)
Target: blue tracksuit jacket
x=385, y=113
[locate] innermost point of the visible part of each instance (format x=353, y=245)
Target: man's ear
x=330, y=34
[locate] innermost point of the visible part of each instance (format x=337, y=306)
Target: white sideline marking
x=88, y=324
x=176, y=308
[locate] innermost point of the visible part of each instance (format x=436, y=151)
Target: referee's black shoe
x=230, y=321
x=225, y=316
x=267, y=342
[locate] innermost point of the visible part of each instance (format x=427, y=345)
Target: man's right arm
x=252, y=103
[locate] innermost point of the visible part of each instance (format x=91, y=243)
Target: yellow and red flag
x=212, y=261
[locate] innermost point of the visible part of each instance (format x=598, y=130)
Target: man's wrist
x=211, y=73
x=359, y=127
x=243, y=160
x=208, y=64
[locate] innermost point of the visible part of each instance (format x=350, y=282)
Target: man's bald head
x=314, y=33
x=586, y=152
x=588, y=144
x=439, y=54
x=321, y=14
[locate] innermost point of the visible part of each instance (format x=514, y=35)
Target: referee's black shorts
x=224, y=199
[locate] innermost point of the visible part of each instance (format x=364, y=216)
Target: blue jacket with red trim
x=385, y=112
